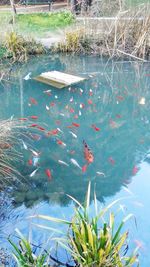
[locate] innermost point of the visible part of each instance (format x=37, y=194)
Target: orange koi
x=30, y=161
x=33, y=101
x=76, y=124
x=58, y=122
x=76, y=117
x=59, y=142
x=84, y=168
x=95, y=128
x=48, y=173
x=111, y=160
x=52, y=104
x=135, y=170
x=33, y=125
x=34, y=117
x=71, y=110
x=90, y=102
x=53, y=132
x=41, y=128
x=88, y=155
x=22, y=119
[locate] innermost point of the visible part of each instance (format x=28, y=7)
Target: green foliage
x=94, y=242
x=20, y=48
x=24, y=255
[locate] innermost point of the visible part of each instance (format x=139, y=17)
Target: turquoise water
x=115, y=99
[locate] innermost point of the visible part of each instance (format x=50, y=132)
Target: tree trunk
x=84, y=7
x=73, y=4
x=13, y=9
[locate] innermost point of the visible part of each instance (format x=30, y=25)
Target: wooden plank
x=58, y=79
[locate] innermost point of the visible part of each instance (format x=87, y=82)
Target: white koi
x=63, y=163
x=33, y=173
x=74, y=162
x=35, y=161
x=24, y=145
x=101, y=173
x=80, y=113
x=73, y=134
x=59, y=130
x=47, y=91
x=34, y=152
x=47, y=107
x=27, y=77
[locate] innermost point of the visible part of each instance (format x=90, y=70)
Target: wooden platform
x=58, y=79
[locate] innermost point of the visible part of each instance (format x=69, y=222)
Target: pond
x=111, y=112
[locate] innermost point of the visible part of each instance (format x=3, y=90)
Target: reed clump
x=20, y=48
x=10, y=131
x=76, y=41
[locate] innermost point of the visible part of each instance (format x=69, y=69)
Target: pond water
x=111, y=112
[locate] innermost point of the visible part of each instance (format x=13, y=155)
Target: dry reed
x=10, y=131
x=126, y=35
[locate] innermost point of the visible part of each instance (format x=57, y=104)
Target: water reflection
x=111, y=100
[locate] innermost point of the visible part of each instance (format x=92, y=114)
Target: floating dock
x=58, y=79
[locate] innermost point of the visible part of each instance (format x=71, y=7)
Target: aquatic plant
x=95, y=242
x=25, y=256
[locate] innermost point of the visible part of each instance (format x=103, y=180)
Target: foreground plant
x=24, y=255
x=93, y=241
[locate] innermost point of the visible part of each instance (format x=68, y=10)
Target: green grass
x=44, y=21
x=35, y=23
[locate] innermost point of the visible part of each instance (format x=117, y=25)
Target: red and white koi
x=88, y=155
x=60, y=142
